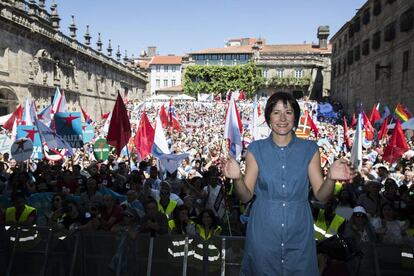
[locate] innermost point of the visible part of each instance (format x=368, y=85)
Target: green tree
x=219, y=79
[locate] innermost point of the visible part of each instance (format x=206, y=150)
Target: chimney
x=323, y=33
x=152, y=51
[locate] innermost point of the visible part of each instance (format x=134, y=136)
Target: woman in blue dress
x=280, y=235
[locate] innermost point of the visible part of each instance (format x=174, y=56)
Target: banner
x=31, y=132
x=69, y=127
x=5, y=143
x=87, y=133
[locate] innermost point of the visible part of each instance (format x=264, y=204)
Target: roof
x=295, y=48
x=177, y=60
x=247, y=49
x=177, y=88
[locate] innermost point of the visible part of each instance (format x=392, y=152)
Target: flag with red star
x=31, y=133
x=69, y=127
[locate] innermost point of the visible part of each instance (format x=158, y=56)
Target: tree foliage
x=219, y=79
x=276, y=82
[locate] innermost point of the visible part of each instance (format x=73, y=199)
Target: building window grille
x=344, y=65
x=357, y=24
x=389, y=32
x=407, y=20
x=265, y=72
x=172, y=82
x=279, y=73
x=406, y=61
x=350, y=57
x=173, y=68
x=165, y=83
x=357, y=53
x=366, y=17
x=157, y=68
x=365, y=47
x=351, y=31
x=299, y=73
x=377, y=7
x=165, y=68
x=157, y=83
x=376, y=41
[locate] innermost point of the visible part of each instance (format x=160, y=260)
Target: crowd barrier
x=41, y=251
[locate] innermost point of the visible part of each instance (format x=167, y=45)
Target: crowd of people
x=124, y=193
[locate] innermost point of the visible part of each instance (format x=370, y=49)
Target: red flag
x=375, y=116
x=144, y=139
x=354, y=121
x=119, y=128
x=397, y=145
x=346, y=136
x=368, y=129
x=312, y=125
x=86, y=116
x=173, y=118
x=163, y=117
x=16, y=115
x=105, y=115
x=242, y=95
x=384, y=129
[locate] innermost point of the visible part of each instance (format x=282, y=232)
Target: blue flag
x=69, y=127
x=32, y=133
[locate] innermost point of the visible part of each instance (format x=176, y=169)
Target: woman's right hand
x=231, y=169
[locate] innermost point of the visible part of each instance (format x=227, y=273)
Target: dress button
x=282, y=244
x=284, y=204
x=283, y=166
x=282, y=148
x=283, y=186
x=282, y=261
x=283, y=225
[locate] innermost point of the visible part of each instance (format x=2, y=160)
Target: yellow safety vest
x=338, y=188
x=202, y=232
x=11, y=214
x=322, y=231
x=171, y=224
x=170, y=208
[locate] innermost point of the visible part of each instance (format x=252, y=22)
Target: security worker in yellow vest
x=179, y=226
x=328, y=223
x=165, y=204
x=207, y=248
x=20, y=213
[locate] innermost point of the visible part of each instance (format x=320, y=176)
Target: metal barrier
x=41, y=251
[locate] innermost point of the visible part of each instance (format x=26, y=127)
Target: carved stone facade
x=373, y=56
x=35, y=58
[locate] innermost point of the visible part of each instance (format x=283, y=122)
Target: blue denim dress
x=280, y=235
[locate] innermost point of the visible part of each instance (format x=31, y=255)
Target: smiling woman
x=280, y=235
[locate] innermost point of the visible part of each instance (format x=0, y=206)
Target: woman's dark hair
x=62, y=199
x=180, y=227
x=211, y=214
x=285, y=98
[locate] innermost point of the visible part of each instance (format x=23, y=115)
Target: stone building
x=372, y=56
x=36, y=57
x=165, y=72
x=301, y=69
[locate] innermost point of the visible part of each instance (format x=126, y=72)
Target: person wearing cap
x=361, y=235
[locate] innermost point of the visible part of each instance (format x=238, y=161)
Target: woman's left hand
x=341, y=170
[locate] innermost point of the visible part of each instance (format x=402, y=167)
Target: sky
x=182, y=26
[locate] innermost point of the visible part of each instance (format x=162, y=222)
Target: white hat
x=360, y=209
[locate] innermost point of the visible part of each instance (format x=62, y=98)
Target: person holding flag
x=280, y=233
